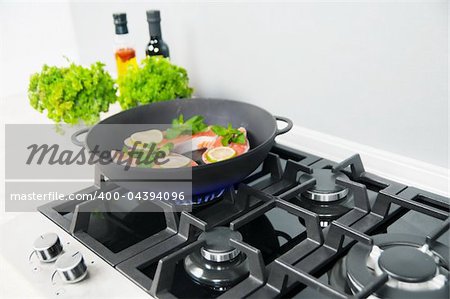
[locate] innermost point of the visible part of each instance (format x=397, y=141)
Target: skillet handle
x=76, y=134
x=285, y=129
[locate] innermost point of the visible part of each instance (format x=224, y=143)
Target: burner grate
x=303, y=268
x=371, y=205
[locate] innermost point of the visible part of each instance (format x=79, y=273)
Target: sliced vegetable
x=149, y=136
x=145, y=156
x=175, y=161
x=132, y=144
x=220, y=153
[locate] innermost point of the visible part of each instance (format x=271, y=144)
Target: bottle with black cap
x=124, y=51
x=156, y=46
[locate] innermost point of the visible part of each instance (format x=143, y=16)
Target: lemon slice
x=220, y=153
x=130, y=143
x=175, y=161
x=149, y=136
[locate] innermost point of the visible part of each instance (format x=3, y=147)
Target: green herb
x=155, y=80
x=72, y=94
x=192, y=126
x=229, y=135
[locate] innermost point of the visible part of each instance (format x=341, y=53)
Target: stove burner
x=406, y=263
x=415, y=270
x=327, y=199
x=217, y=264
x=217, y=248
x=199, y=200
x=207, y=198
x=326, y=189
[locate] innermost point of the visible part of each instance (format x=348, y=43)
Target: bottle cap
x=120, y=20
x=153, y=16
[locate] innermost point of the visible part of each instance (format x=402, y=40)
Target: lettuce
x=155, y=80
x=72, y=94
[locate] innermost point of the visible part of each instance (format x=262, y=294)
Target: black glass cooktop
x=298, y=216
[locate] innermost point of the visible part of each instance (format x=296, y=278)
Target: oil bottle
x=125, y=53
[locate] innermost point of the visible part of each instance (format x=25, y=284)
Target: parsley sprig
x=229, y=134
x=192, y=126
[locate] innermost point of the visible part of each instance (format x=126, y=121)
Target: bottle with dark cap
x=124, y=51
x=156, y=46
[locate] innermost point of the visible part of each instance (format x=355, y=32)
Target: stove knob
x=71, y=267
x=47, y=247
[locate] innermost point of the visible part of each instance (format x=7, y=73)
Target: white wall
x=371, y=72
x=31, y=34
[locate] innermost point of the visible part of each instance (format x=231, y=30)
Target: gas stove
x=300, y=226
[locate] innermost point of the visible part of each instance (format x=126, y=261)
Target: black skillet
x=260, y=124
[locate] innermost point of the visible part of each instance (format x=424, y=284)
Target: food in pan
x=232, y=143
x=217, y=143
